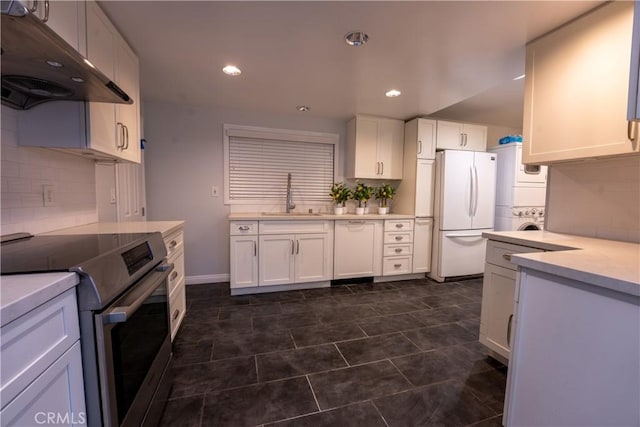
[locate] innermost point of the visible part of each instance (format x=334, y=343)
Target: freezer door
x=462, y=253
x=484, y=190
x=456, y=181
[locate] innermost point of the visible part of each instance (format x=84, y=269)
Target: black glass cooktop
x=58, y=253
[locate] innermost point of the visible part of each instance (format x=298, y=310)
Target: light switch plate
x=48, y=195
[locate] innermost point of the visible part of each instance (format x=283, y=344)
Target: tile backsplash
x=25, y=170
x=596, y=198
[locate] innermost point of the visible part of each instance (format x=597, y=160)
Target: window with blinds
x=258, y=169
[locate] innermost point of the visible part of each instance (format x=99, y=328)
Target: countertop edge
x=24, y=292
x=164, y=227
x=321, y=217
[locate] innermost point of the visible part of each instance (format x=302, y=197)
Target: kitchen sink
x=290, y=214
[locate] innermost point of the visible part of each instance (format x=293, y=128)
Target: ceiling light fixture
x=393, y=93
x=519, y=77
x=356, y=38
x=303, y=108
x=77, y=79
x=231, y=70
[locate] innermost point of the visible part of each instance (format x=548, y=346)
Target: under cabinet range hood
x=40, y=66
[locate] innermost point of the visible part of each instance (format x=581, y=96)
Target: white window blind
x=258, y=169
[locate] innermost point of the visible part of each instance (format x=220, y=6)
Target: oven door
x=134, y=348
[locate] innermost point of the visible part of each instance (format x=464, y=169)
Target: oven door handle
x=149, y=284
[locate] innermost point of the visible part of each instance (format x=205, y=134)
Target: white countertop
x=258, y=216
x=164, y=227
x=606, y=263
x=22, y=293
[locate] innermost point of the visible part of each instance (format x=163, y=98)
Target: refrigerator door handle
x=475, y=204
x=471, y=191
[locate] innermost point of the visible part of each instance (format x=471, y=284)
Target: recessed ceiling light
x=303, y=108
x=519, y=77
x=356, y=38
x=393, y=93
x=231, y=70
x=55, y=64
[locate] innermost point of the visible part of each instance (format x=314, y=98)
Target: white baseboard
x=209, y=278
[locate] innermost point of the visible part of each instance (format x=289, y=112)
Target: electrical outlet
x=48, y=195
x=214, y=191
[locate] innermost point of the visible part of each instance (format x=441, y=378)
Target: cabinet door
x=449, y=135
x=244, y=261
x=58, y=390
x=425, y=184
x=422, y=236
x=67, y=19
x=475, y=137
x=130, y=197
x=357, y=249
x=576, y=89
x=311, y=260
x=484, y=201
x=390, y=148
x=426, y=139
x=276, y=259
x=366, y=146
x=101, y=44
x=128, y=114
x=498, y=299
x=456, y=190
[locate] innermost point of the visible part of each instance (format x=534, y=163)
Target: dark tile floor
x=384, y=354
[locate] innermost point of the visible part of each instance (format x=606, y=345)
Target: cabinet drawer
x=174, y=243
x=243, y=228
x=397, y=250
x=177, y=275
x=293, y=227
x=398, y=225
x=396, y=265
x=31, y=343
x=499, y=253
x=177, y=309
x=398, y=237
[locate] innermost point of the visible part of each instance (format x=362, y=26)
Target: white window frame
x=231, y=130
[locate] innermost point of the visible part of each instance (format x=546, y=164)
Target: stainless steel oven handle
x=122, y=314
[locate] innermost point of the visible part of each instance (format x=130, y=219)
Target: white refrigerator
x=464, y=208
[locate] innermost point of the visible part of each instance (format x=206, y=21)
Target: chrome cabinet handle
x=120, y=138
x=175, y=314
x=398, y=238
x=399, y=225
x=46, y=11
x=255, y=248
x=244, y=228
x=297, y=247
x=355, y=222
x=34, y=7
x=382, y=170
x=293, y=247
x=377, y=168
x=173, y=244
x=398, y=250
x=174, y=275
x=509, y=323
x=419, y=147
x=507, y=257
x=126, y=139
x=631, y=131
x=397, y=265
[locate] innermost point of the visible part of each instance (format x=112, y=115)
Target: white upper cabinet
x=420, y=138
x=374, y=148
x=66, y=18
x=460, y=136
x=577, y=89
x=92, y=129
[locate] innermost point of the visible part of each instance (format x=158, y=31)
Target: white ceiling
x=293, y=53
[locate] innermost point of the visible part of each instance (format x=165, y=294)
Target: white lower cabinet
x=176, y=281
x=244, y=261
x=498, y=296
x=398, y=247
x=422, y=239
x=357, y=249
x=269, y=253
x=42, y=366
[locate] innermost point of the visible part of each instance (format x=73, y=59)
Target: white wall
x=494, y=133
x=184, y=158
x=595, y=198
x=25, y=170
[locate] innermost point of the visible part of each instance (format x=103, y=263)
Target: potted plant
x=383, y=193
x=340, y=193
x=362, y=194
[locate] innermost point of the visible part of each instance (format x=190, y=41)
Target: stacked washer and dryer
x=520, y=190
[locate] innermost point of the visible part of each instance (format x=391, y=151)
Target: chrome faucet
x=289, y=202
